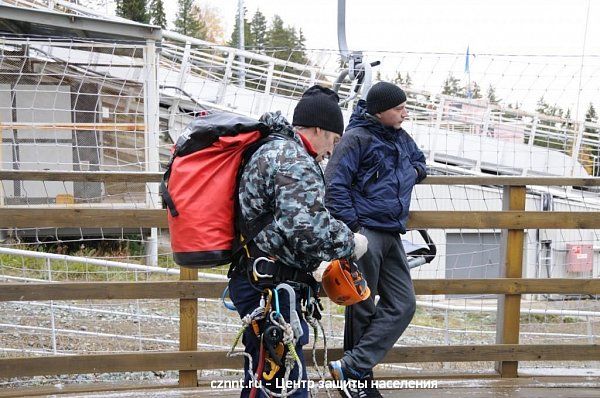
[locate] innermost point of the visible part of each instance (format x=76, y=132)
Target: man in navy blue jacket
x=370, y=178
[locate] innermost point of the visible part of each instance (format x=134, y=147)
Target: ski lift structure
x=360, y=73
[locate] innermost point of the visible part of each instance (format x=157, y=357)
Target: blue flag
x=467, y=70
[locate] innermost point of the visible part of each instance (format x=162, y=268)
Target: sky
x=508, y=26
x=499, y=35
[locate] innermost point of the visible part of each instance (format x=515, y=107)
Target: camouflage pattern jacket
x=282, y=178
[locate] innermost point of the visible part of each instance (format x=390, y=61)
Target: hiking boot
x=353, y=384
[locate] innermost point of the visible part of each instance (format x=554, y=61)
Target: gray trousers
x=371, y=330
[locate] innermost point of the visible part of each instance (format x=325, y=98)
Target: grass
x=539, y=318
x=127, y=250
x=130, y=249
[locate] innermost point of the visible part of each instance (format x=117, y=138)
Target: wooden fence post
x=188, y=328
x=509, y=305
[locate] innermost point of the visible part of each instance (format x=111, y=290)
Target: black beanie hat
x=319, y=107
x=384, y=96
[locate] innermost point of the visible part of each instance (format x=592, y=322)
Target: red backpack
x=200, y=185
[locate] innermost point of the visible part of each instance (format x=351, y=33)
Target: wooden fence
x=513, y=219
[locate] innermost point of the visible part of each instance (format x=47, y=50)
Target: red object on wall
x=580, y=257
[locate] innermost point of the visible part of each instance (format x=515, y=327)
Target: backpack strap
x=164, y=191
x=245, y=232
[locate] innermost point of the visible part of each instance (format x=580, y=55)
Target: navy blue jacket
x=371, y=174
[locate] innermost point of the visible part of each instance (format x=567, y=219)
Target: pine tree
x=187, y=21
x=542, y=106
x=299, y=47
x=258, y=31
x=451, y=87
x=234, y=41
x=278, y=38
x=134, y=10
x=407, y=81
x=476, y=92
x=402, y=81
x=157, y=13
x=491, y=95
x=590, y=114
x=398, y=80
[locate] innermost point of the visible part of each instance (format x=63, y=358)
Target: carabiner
x=257, y=275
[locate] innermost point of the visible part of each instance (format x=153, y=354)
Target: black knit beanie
x=383, y=96
x=319, y=107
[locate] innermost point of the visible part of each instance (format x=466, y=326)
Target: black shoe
x=371, y=390
x=352, y=383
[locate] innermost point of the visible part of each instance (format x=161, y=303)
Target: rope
x=316, y=325
x=288, y=339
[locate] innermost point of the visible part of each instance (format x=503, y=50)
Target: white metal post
x=266, y=97
x=438, y=125
x=534, y=127
x=152, y=121
x=484, y=133
x=577, y=147
x=226, y=78
x=183, y=73
x=52, y=323
x=313, y=78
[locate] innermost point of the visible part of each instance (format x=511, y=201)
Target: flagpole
x=468, y=72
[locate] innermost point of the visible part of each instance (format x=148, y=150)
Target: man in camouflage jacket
x=283, y=178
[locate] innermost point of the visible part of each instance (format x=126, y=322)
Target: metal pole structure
x=341, y=21
x=241, y=44
x=151, y=118
x=3, y=233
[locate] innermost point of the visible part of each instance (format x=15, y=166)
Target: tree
x=451, y=86
x=298, y=54
x=407, y=80
x=279, y=38
x=542, y=106
x=491, y=95
x=590, y=114
x=157, y=13
x=398, y=80
x=476, y=92
x=258, y=32
x=188, y=21
x=134, y=10
x=402, y=81
x=210, y=19
x=234, y=41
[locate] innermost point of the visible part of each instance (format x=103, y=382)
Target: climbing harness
x=277, y=341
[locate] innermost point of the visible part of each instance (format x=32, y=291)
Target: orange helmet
x=344, y=284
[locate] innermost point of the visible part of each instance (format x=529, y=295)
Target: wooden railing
x=507, y=352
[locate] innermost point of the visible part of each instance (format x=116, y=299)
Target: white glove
x=361, y=244
x=318, y=273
